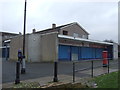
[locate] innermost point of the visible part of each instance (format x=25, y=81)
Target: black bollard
x=108, y=65
x=92, y=68
x=17, y=72
x=55, y=79
x=73, y=72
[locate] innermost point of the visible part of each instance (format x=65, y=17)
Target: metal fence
x=86, y=67
x=72, y=70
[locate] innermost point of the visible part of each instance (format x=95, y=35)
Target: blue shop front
x=71, y=48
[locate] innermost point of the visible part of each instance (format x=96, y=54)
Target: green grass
x=107, y=81
x=27, y=85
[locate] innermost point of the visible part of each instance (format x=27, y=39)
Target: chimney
x=53, y=25
x=34, y=30
x=20, y=33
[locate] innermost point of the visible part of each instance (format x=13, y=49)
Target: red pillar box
x=105, y=58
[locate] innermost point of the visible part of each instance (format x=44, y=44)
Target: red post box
x=105, y=58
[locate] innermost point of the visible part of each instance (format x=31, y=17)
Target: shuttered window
x=65, y=32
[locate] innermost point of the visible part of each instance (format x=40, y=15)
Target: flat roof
x=7, y=41
x=5, y=47
x=84, y=40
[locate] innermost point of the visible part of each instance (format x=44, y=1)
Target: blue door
x=64, y=52
x=74, y=53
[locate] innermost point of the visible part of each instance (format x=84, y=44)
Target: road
x=37, y=70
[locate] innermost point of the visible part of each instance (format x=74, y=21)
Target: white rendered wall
x=115, y=51
x=34, y=48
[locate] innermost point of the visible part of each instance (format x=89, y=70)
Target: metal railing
x=73, y=68
x=92, y=67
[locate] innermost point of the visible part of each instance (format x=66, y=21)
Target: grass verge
x=27, y=85
x=107, y=81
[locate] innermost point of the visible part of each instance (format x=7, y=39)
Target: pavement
x=43, y=72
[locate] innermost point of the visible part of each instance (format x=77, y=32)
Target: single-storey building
x=5, y=38
x=61, y=43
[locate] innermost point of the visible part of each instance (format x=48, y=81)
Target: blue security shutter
x=93, y=53
x=90, y=53
x=110, y=51
x=85, y=52
x=99, y=53
x=74, y=49
x=79, y=54
x=64, y=52
x=82, y=52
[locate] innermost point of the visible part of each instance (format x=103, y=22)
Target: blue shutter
x=64, y=52
x=99, y=53
x=85, y=52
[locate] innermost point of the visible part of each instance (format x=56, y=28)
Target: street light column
x=24, y=30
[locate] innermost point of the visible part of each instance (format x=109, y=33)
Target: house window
x=75, y=35
x=65, y=32
x=84, y=36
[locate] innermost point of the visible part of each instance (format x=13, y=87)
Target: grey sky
x=100, y=19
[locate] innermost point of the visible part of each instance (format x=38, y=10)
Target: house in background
x=5, y=43
x=7, y=36
x=61, y=43
x=72, y=29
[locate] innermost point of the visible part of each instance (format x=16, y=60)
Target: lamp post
x=24, y=30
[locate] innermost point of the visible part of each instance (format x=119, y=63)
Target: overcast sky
x=100, y=19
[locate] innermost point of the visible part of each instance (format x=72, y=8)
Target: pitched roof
x=62, y=26
x=9, y=33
